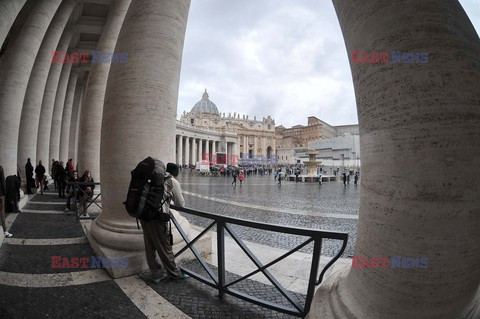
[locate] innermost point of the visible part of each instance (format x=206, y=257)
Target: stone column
x=213, y=147
x=16, y=69
x=58, y=112
x=9, y=10
x=48, y=102
x=138, y=117
x=194, y=151
x=180, y=150
x=424, y=119
x=32, y=105
x=200, y=150
x=72, y=139
x=67, y=115
x=207, y=150
x=245, y=146
x=187, y=150
x=227, y=153
x=91, y=117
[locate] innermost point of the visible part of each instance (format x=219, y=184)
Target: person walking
x=39, y=176
x=2, y=201
x=29, y=176
x=344, y=178
x=355, y=178
x=234, y=175
x=279, y=178
x=156, y=234
x=241, y=177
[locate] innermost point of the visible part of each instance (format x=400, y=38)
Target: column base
x=137, y=261
x=328, y=301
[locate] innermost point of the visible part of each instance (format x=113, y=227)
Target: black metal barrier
x=218, y=280
x=82, y=198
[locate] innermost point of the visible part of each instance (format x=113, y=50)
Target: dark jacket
x=2, y=182
x=60, y=173
x=83, y=179
x=29, y=170
x=12, y=184
x=40, y=171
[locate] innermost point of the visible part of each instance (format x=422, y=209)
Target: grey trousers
x=155, y=235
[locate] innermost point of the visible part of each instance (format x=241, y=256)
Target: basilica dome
x=205, y=106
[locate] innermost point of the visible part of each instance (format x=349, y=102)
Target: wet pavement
x=259, y=198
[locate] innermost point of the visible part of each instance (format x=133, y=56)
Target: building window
x=191, y=121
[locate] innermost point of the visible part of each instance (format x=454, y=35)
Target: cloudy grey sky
x=284, y=58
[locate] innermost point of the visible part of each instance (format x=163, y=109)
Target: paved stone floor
x=31, y=288
x=294, y=204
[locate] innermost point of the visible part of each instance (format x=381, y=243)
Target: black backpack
x=146, y=191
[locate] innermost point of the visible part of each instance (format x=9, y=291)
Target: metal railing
x=217, y=280
x=85, y=200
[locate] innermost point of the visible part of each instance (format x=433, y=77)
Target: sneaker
x=8, y=235
x=181, y=276
x=156, y=281
x=66, y=210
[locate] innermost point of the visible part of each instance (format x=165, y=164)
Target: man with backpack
x=151, y=190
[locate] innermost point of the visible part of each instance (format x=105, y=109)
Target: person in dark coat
x=29, y=176
x=39, y=175
x=2, y=201
x=61, y=176
x=12, y=194
x=71, y=190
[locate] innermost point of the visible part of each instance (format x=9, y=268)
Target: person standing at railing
x=71, y=189
x=156, y=232
x=86, y=191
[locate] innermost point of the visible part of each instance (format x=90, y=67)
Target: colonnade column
x=194, y=151
x=213, y=148
x=48, y=103
x=9, y=10
x=187, y=150
x=17, y=66
x=58, y=112
x=431, y=213
x=227, y=153
x=245, y=146
x=91, y=117
x=72, y=139
x=67, y=115
x=180, y=150
x=207, y=149
x=138, y=116
x=200, y=150
x=32, y=105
